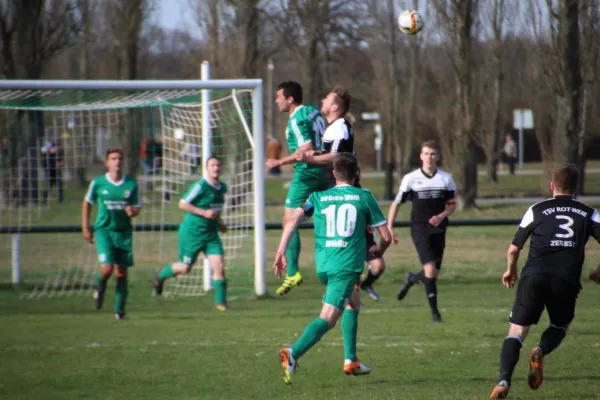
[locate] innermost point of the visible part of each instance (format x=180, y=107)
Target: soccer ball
x=410, y=22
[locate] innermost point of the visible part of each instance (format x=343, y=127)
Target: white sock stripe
x=564, y=327
x=515, y=336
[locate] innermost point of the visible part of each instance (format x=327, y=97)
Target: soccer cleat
x=158, y=285
x=289, y=283
x=120, y=316
x=536, y=366
x=370, y=292
x=288, y=363
x=355, y=368
x=98, y=299
x=406, y=285
x=500, y=390
x=437, y=318
x=223, y=307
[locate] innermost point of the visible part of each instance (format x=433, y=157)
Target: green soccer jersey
x=341, y=215
x=305, y=125
x=204, y=195
x=112, y=197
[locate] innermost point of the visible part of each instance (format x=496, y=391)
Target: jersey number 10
x=341, y=221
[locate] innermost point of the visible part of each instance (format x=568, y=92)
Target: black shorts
x=370, y=243
x=429, y=246
x=538, y=291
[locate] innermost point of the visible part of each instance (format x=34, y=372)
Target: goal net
x=53, y=139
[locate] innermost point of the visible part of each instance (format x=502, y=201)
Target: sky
x=172, y=14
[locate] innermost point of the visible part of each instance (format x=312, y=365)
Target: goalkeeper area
x=54, y=136
x=182, y=348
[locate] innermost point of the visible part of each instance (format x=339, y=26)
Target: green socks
x=349, y=333
x=166, y=272
x=100, y=282
x=311, y=336
x=220, y=287
x=121, y=295
x=292, y=254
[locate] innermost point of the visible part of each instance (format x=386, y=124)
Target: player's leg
x=561, y=297
x=219, y=281
x=337, y=295
x=437, y=243
x=297, y=195
x=352, y=365
x=188, y=253
x=124, y=260
x=424, y=252
x=526, y=311
x=376, y=268
x=106, y=260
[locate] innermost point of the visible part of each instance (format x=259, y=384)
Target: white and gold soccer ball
x=410, y=22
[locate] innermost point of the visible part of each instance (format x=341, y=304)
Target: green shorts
x=340, y=285
x=303, y=185
x=114, y=247
x=191, y=244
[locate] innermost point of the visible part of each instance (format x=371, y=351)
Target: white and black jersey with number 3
x=559, y=229
x=338, y=138
x=429, y=196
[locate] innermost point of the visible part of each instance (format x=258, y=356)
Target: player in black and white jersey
x=551, y=278
x=339, y=138
x=431, y=192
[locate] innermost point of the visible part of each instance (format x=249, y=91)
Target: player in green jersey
x=341, y=216
x=199, y=232
x=304, y=130
x=118, y=199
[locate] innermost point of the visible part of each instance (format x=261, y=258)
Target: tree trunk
x=495, y=134
x=411, y=106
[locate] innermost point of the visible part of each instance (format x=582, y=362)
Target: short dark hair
x=565, y=178
x=212, y=158
x=345, y=166
x=432, y=144
x=112, y=150
x=291, y=89
x=342, y=98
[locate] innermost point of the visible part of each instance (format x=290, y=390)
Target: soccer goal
x=53, y=137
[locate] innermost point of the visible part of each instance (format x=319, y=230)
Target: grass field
x=183, y=348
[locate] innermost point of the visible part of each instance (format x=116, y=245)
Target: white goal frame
x=257, y=131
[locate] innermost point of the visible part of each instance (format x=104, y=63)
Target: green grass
x=183, y=348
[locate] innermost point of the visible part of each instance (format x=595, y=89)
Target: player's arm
x=292, y=158
x=450, y=204
x=135, y=203
x=194, y=193
x=315, y=158
x=377, y=220
x=86, y=209
x=528, y=223
x=401, y=197
x=595, y=274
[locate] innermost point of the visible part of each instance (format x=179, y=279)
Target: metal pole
x=206, y=153
x=16, y=258
x=270, y=118
x=521, y=142
x=260, y=258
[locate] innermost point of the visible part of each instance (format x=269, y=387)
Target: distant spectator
x=274, y=152
x=52, y=163
x=510, y=153
x=151, y=155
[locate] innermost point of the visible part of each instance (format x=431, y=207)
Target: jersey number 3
x=341, y=221
x=566, y=227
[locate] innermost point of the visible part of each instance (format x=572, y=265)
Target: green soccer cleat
x=289, y=283
x=288, y=363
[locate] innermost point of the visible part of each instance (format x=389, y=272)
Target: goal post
x=202, y=109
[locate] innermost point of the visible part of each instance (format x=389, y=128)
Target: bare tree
x=456, y=18
x=32, y=32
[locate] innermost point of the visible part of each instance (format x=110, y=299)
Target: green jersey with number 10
x=305, y=125
x=341, y=216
